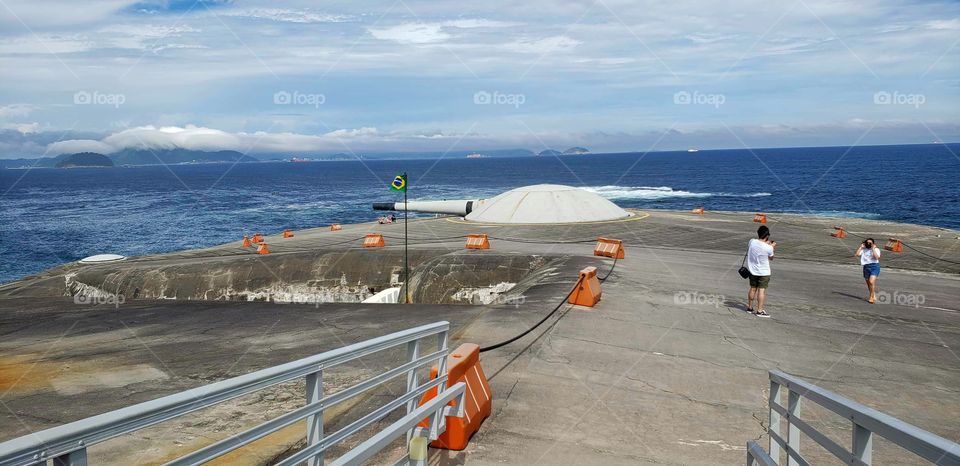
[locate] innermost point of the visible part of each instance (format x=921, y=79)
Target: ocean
x=53, y=216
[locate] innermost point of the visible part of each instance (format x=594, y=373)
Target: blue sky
x=312, y=77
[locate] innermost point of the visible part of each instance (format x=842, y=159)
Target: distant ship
x=475, y=155
x=693, y=150
x=298, y=160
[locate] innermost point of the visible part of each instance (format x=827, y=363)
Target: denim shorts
x=871, y=270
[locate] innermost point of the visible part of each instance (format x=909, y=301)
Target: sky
x=406, y=76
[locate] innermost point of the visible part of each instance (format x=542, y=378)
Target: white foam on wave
x=657, y=192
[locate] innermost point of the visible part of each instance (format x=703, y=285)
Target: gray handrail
x=865, y=422
x=62, y=441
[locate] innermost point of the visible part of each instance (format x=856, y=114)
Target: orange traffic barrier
x=587, y=290
x=463, y=365
x=246, y=241
x=478, y=242
x=760, y=218
x=263, y=249
x=839, y=232
x=257, y=238
x=894, y=245
x=287, y=234
x=698, y=210
x=373, y=240
x=609, y=248
x=335, y=227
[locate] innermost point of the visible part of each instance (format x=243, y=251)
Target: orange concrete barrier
x=287, y=234
x=609, y=248
x=463, y=365
x=760, y=218
x=335, y=227
x=698, y=211
x=839, y=232
x=263, y=249
x=373, y=240
x=587, y=290
x=478, y=242
x=246, y=241
x=894, y=245
x=257, y=238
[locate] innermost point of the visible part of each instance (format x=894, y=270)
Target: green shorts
x=759, y=282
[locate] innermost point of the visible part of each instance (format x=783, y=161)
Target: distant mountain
x=576, y=150
x=137, y=157
x=175, y=156
x=84, y=159
x=549, y=153
x=363, y=155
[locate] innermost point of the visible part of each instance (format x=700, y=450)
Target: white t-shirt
x=758, y=258
x=868, y=256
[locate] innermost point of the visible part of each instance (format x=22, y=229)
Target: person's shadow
x=731, y=304
x=858, y=298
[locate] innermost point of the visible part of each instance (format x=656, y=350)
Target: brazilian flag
x=399, y=183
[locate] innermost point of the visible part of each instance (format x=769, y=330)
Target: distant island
x=130, y=157
x=576, y=151
x=84, y=159
x=135, y=157
x=570, y=151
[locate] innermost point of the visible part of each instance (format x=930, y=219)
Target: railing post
x=774, y=426
x=793, y=432
x=862, y=444
x=413, y=380
x=438, y=417
x=315, y=421
x=74, y=458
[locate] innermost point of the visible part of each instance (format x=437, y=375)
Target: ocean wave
x=657, y=192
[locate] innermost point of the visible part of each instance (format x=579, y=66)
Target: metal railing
x=67, y=444
x=865, y=423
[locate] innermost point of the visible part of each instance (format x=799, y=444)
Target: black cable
x=544, y=319
x=865, y=237
x=930, y=255
x=605, y=277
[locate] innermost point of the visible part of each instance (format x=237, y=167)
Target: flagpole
x=406, y=262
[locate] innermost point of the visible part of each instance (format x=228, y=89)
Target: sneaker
x=762, y=313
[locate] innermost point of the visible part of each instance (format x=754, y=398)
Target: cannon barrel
x=458, y=207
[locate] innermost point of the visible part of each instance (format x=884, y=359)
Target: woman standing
x=869, y=255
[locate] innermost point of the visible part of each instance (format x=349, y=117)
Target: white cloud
x=545, y=45
x=45, y=44
x=944, y=24
x=288, y=15
x=412, y=33
x=15, y=110
x=22, y=128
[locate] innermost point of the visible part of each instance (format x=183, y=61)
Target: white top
x=758, y=258
x=545, y=203
x=870, y=256
x=102, y=258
